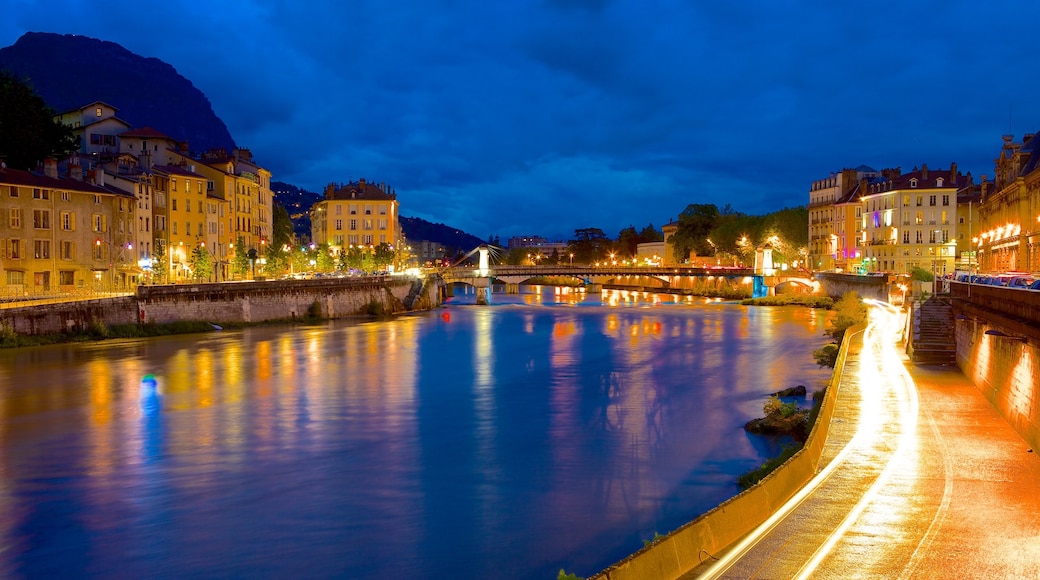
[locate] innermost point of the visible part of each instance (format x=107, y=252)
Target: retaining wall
x=684, y=549
x=835, y=285
x=239, y=302
x=1005, y=369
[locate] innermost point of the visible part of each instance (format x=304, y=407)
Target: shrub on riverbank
x=756, y=475
x=809, y=300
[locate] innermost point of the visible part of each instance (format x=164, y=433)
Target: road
x=931, y=487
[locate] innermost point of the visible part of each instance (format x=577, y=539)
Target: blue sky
x=543, y=116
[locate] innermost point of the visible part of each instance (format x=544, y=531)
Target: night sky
x=541, y=116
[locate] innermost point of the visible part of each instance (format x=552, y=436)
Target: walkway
x=924, y=480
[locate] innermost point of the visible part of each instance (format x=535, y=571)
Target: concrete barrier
x=682, y=550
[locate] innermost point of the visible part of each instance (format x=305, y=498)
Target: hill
x=70, y=71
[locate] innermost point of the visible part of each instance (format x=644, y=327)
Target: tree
x=352, y=258
x=240, y=261
x=383, y=256
x=160, y=264
x=201, y=263
x=628, y=241
x=696, y=223
x=28, y=131
x=589, y=245
x=278, y=250
x=515, y=256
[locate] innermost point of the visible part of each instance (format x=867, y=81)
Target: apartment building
x=1007, y=235
x=356, y=214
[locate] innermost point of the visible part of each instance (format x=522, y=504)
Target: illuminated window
x=97, y=111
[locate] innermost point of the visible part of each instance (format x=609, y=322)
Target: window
x=200, y=206
x=209, y=185
x=65, y=196
x=368, y=224
x=939, y=182
x=906, y=200
x=173, y=185
x=931, y=200
x=382, y=223
x=99, y=222
x=187, y=228
x=14, y=249
x=913, y=183
x=353, y=224
x=66, y=277
x=41, y=193
x=353, y=209
x=919, y=237
x=382, y=210
x=337, y=239
x=98, y=251
x=97, y=111
x=339, y=224
x=173, y=204
x=97, y=200
x=920, y=201
x=174, y=224
x=67, y=221
x=368, y=209
x=67, y=250
x=339, y=210
x=42, y=219
x=919, y=218
x=42, y=249
x=906, y=237
x=14, y=191
x=14, y=218
x=946, y=200
x=15, y=277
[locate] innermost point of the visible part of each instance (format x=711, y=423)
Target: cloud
x=538, y=118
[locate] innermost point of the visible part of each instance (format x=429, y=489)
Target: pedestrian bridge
x=645, y=278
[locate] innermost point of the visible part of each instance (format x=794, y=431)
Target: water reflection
x=455, y=444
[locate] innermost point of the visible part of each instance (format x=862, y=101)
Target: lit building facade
x=356, y=214
x=909, y=221
x=1008, y=235
x=66, y=235
x=835, y=219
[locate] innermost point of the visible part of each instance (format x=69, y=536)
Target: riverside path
x=920, y=478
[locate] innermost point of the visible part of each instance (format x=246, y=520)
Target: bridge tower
x=483, y=281
x=765, y=268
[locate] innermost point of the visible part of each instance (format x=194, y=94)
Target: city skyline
x=509, y=119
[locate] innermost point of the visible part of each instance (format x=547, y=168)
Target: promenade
x=937, y=485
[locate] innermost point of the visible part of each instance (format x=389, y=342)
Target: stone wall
x=58, y=317
x=1005, y=368
x=238, y=302
x=835, y=285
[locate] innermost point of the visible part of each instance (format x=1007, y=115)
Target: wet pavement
x=920, y=478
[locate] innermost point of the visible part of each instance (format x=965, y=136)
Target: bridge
x=672, y=278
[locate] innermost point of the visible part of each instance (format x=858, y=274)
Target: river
x=548, y=430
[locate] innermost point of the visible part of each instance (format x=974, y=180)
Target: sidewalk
x=987, y=483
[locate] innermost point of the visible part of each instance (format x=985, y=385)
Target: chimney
x=924, y=171
x=329, y=190
x=361, y=185
x=145, y=161
x=50, y=167
x=75, y=169
x=953, y=173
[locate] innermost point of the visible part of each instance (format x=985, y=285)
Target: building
x=66, y=235
x=539, y=246
x=908, y=221
x=97, y=128
x=1007, y=236
x=834, y=219
x=356, y=214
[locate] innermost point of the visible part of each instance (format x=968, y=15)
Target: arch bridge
x=646, y=277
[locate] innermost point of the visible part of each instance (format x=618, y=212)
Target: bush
x=810, y=300
x=827, y=356
x=849, y=311
x=754, y=476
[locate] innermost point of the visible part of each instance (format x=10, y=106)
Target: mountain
x=417, y=229
x=298, y=203
x=70, y=71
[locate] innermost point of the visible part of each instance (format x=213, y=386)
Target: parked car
x=1020, y=282
x=1035, y=285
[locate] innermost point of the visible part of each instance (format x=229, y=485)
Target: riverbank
x=174, y=309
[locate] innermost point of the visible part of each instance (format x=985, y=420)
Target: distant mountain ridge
x=70, y=71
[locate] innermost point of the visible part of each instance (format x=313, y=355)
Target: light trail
x=894, y=372
x=879, y=360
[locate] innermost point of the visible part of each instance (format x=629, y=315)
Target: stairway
x=933, y=341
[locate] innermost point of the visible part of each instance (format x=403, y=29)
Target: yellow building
x=356, y=214
x=835, y=216
x=1007, y=236
x=64, y=235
